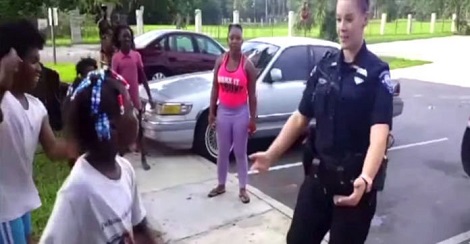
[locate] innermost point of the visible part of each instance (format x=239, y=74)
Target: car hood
x=181, y=86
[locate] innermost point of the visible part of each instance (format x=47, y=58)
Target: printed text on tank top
x=229, y=83
x=232, y=83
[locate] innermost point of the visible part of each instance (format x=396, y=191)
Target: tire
x=158, y=73
x=465, y=151
x=205, y=142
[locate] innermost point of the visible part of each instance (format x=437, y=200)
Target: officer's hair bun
x=364, y=5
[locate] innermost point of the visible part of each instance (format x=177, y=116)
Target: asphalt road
x=425, y=199
x=70, y=54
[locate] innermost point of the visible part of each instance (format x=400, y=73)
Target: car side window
x=294, y=64
x=180, y=43
x=161, y=44
x=319, y=52
x=207, y=46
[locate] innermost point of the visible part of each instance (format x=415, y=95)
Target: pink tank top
x=233, y=85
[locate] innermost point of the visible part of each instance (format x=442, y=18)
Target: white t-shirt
x=91, y=208
x=19, y=135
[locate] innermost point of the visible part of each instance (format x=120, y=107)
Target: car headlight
x=170, y=108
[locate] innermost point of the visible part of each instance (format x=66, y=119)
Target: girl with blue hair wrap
x=99, y=201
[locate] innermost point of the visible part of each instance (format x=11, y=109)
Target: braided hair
x=94, y=103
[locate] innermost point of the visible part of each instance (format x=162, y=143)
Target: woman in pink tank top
x=233, y=110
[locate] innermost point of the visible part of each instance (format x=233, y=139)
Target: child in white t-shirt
x=99, y=202
x=24, y=124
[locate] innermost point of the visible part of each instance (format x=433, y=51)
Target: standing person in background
x=350, y=95
x=82, y=68
x=105, y=30
x=128, y=63
x=107, y=48
x=234, y=117
x=103, y=23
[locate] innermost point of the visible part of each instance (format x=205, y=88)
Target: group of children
x=99, y=201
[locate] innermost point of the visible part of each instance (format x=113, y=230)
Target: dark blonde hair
x=364, y=5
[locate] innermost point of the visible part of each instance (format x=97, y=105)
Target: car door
x=319, y=52
x=278, y=100
x=154, y=56
x=209, y=51
x=182, y=55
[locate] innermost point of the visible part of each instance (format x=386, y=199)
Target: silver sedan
x=180, y=119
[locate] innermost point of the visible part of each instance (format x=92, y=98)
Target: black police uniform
x=309, y=153
x=346, y=100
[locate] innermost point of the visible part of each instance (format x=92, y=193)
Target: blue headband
x=102, y=126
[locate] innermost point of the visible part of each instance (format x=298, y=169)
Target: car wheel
x=158, y=75
x=205, y=139
x=465, y=151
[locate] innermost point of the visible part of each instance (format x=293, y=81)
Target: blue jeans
x=16, y=231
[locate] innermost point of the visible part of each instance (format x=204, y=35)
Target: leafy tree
x=328, y=25
x=20, y=8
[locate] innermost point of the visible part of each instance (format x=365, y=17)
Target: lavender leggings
x=232, y=129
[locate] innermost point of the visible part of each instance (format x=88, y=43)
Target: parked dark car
x=174, y=52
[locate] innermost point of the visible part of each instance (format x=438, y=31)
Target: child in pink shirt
x=128, y=63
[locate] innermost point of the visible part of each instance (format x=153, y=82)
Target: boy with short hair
x=25, y=123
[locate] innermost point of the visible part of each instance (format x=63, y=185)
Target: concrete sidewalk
x=174, y=192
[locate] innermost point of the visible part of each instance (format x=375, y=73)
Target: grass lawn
x=398, y=63
x=394, y=31
x=50, y=175
x=66, y=71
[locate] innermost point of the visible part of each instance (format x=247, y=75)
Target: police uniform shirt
x=346, y=99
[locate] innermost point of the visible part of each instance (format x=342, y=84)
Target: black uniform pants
x=315, y=214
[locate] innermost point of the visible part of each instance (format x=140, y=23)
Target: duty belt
x=346, y=170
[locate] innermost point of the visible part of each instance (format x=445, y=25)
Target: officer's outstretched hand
x=353, y=199
x=261, y=161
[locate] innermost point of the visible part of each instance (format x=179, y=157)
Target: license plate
x=171, y=109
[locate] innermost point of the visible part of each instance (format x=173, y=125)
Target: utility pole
x=266, y=10
x=254, y=11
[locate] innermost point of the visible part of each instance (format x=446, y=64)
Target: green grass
x=399, y=63
x=394, y=31
x=50, y=175
x=66, y=71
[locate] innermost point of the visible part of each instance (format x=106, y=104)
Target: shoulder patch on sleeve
x=386, y=81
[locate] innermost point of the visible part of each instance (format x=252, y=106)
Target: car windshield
x=260, y=53
x=141, y=41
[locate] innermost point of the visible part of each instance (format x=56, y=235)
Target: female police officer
x=350, y=96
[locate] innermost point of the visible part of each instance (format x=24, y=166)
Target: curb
x=279, y=206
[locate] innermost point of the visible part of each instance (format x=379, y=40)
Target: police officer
x=309, y=152
x=350, y=96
